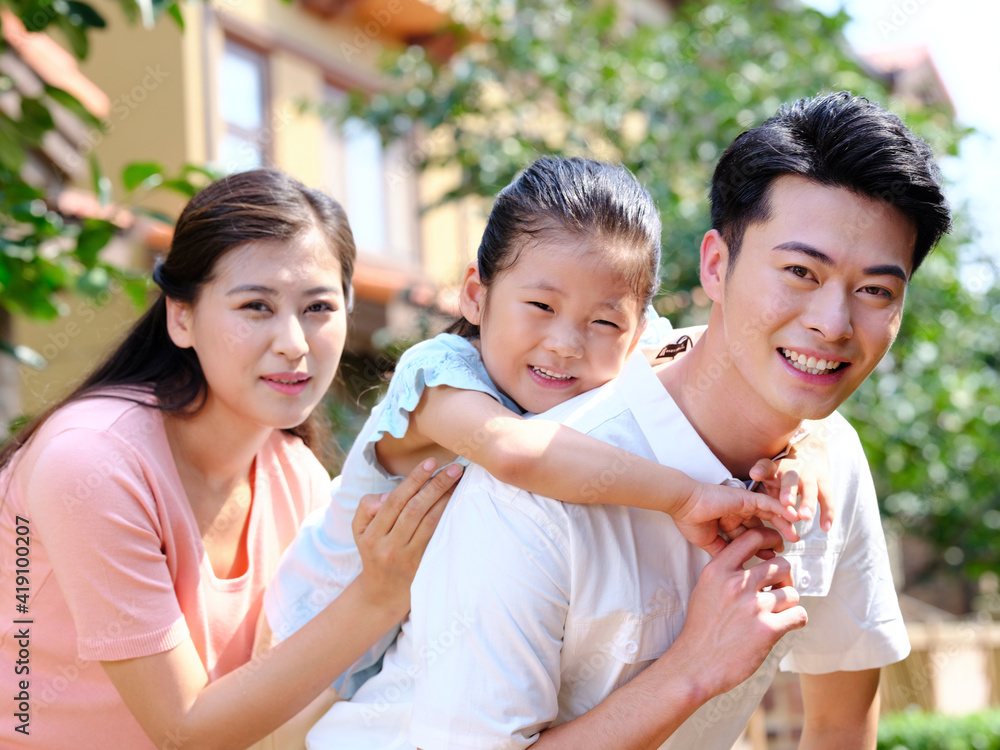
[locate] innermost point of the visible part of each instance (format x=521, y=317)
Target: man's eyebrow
x=888, y=269
x=802, y=247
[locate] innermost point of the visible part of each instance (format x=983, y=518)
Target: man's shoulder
x=840, y=437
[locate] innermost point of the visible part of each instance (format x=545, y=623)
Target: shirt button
x=804, y=579
x=631, y=647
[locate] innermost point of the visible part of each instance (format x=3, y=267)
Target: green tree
x=42, y=254
x=545, y=77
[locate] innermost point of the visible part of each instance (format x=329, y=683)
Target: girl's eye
x=540, y=306
x=607, y=323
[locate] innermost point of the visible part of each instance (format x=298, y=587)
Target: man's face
x=813, y=300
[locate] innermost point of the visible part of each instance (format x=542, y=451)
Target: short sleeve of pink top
x=116, y=568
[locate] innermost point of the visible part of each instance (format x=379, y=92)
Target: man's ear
x=472, y=298
x=714, y=264
x=180, y=323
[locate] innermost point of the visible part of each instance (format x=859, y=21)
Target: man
x=540, y=623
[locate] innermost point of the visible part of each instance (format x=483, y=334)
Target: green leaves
x=142, y=174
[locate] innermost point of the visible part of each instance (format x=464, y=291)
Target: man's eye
x=878, y=291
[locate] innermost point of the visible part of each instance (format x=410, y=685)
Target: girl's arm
x=557, y=461
x=170, y=693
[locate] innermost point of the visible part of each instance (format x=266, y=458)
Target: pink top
x=96, y=529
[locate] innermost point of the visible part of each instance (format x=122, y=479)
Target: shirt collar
x=673, y=439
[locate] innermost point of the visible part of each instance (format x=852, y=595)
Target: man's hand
x=735, y=616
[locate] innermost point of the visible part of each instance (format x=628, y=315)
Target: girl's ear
x=472, y=298
x=179, y=323
x=714, y=264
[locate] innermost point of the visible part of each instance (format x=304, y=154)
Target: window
x=242, y=108
x=375, y=185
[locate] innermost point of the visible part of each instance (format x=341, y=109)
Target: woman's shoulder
x=128, y=413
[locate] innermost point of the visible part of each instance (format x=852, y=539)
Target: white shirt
x=527, y=612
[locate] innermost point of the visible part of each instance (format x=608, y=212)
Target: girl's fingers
x=763, y=470
x=826, y=504
x=768, y=507
x=789, y=492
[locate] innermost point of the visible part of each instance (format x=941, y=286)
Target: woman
x=143, y=516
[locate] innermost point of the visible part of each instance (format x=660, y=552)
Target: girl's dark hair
x=587, y=199
x=837, y=140
x=262, y=205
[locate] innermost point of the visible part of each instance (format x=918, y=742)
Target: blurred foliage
x=926, y=731
x=665, y=98
x=43, y=253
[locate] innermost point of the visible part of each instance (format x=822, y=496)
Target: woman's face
x=268, y=329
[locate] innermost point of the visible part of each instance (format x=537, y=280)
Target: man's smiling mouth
x=811, y=365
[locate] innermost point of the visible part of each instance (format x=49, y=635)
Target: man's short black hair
x=836, y=140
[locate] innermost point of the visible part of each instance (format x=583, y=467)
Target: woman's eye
x=256, y=306
x=321, y=307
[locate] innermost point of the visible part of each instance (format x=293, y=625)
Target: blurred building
x=238, y=88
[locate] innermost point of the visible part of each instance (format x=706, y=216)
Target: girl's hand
x=802, y=478
x=715, y=510
x=393, y=529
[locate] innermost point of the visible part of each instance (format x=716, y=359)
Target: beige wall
x=153, y=78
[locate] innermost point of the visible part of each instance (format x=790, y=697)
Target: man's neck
x=736, y=426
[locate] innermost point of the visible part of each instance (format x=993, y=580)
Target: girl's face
x=268, y=329
x=559, y=322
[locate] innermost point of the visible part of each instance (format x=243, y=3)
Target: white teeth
x=551, y=375
x=810, y=364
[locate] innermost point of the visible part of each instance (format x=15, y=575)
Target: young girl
x=553, y=308
x=141, y=518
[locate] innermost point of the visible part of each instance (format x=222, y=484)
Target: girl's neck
x=212, y=448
